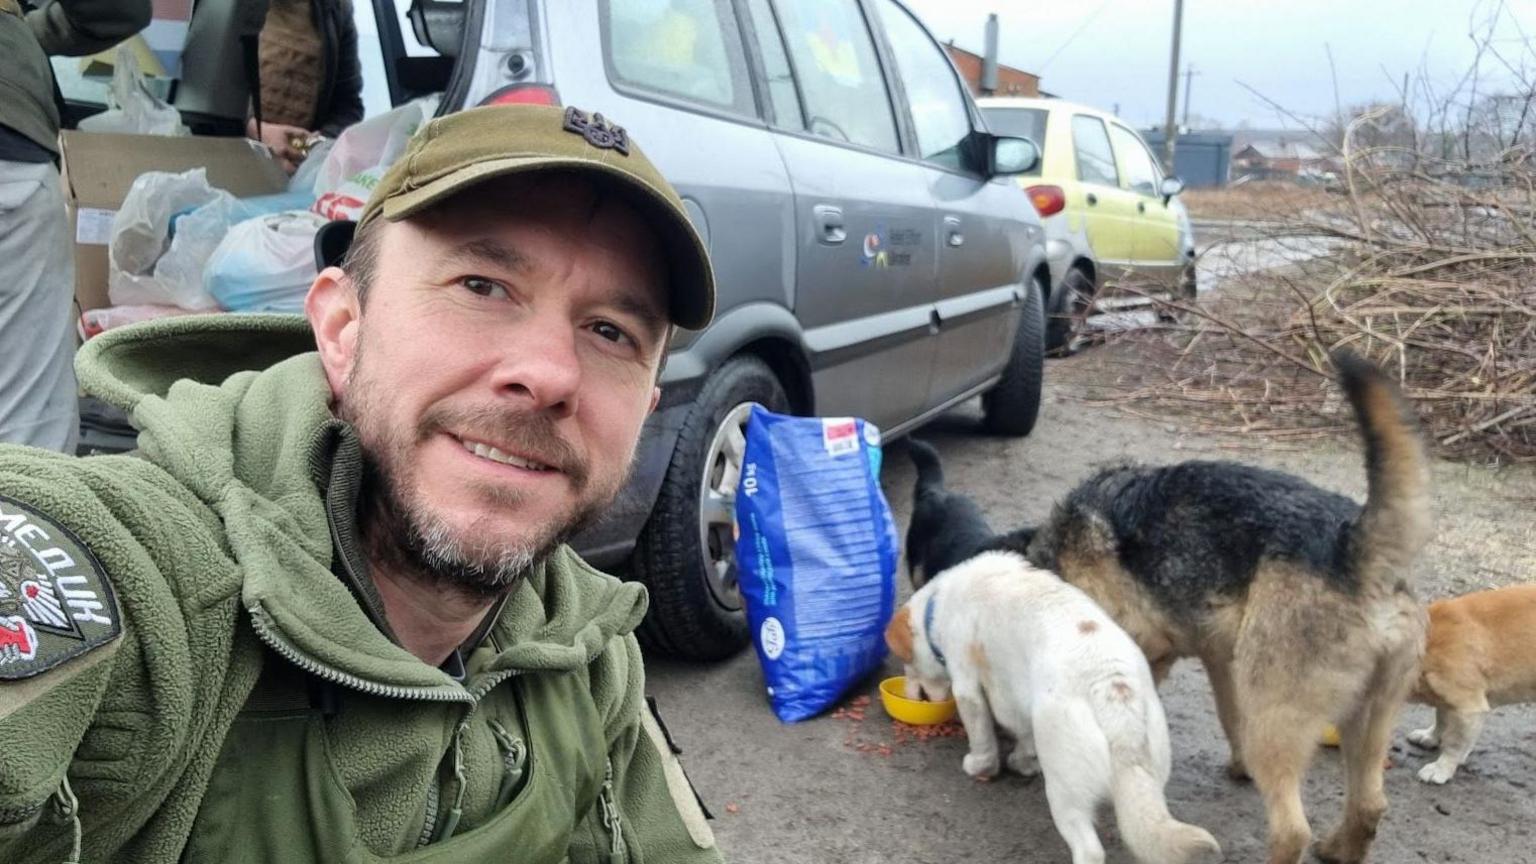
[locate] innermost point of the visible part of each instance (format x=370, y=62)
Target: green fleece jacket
x=54, y=27
x=250, y=708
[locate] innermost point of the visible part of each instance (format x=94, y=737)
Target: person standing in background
x=38, y=402
x=310, y=78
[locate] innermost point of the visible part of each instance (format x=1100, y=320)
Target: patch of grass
x=1264, y=201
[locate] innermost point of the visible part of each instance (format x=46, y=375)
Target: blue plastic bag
x=817, y=554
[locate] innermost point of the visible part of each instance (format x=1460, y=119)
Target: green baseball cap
x=451, y=154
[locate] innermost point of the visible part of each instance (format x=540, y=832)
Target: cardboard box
x=100, y=167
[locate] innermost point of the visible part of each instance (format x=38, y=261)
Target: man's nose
x=541, y=367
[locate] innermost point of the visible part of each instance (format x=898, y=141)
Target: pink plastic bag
x=362, y=154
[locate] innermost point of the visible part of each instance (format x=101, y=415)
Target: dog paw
x=979, y=766
x=1023, y=763
x=1437, y=773
x=1334, y=851
x=1424, y=738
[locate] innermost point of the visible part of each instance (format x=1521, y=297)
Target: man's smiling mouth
x=486, y=451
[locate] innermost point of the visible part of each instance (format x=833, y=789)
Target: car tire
x=1013, y=404
x=1068, y=308
x=685, y=555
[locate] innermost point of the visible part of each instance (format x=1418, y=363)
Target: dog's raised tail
x=1395, y=523
x=930, y=469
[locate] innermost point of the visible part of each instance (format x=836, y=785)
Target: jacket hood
x=237, y=408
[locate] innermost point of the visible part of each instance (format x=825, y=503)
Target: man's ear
x=334, y=314
x=655, y=400
x=898, y=634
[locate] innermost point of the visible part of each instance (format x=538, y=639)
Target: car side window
x=689, y=49
x=1141, y=174
x=839, y=73
x=939, y=112
x=1095, y=158
x=782, y=95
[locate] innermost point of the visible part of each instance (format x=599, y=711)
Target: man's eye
x=609, y=332
x=483, y=287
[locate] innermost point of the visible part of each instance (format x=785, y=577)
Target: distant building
x=1200, y=159
x=1282, y=156
x=1010, y=81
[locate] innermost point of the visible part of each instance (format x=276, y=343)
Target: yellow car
x=1111, y=217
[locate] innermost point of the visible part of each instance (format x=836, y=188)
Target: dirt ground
x=849, y=789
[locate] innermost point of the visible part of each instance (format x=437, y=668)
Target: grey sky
x=1120, y=51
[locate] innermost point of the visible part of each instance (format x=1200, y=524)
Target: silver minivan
x=872, y=257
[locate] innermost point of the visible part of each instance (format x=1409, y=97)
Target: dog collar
x=928, y=630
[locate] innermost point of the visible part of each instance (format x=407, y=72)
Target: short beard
x=401, y=532
x=405, y=536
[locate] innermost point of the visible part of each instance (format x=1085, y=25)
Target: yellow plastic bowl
x=913, y=711
x=1331, y=736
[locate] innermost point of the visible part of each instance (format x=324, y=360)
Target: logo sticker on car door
x=889, y=248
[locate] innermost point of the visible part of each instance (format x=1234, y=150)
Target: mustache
x=527, y=434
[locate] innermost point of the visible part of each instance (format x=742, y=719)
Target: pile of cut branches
x=1427, y=266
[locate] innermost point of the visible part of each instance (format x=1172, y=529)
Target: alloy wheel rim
x=717, y=506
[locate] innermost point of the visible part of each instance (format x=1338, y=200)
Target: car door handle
x=952, y=233
x=1092, y=199
x=829, y=224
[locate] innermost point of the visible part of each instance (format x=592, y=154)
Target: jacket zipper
x=17, y=815
x=261, y=622
x=612, y=819
x=514, y=756
x=456, y=810
x=429, y=823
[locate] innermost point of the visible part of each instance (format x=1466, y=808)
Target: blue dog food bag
x=817, y=553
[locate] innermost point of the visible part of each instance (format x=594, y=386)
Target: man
x=324, y=613
x=37, y=274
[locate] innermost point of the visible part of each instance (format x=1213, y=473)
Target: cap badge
x=598, y=131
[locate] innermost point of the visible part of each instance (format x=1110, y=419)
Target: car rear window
x=1095, y=158
x=1021, y=123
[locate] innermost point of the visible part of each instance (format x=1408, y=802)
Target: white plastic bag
x=303, y=180
x=265, y=264
x=131, y=108
x=362, y=154
x=148, y=263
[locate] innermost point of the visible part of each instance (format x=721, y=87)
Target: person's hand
x=287, y=143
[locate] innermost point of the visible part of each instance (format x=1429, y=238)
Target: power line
x=1075, y=33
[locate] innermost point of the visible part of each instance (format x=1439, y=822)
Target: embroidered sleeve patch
x=55, y=600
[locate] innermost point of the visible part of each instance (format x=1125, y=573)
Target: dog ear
x=898, y=634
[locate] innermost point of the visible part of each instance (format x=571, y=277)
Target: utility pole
x=1169, y=130
x=1189, y=73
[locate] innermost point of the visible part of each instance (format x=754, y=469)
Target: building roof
x=1284, y=150
x=1000, y=64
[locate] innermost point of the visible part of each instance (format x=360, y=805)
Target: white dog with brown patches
x=1024, y=649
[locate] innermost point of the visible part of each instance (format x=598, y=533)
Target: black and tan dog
x=1296, y=600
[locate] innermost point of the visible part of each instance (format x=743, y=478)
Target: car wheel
x=1069, y=308
x=686, y=554
x=1013, y=404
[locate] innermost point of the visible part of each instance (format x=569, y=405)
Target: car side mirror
x=1011, y=156
x=1170, y=187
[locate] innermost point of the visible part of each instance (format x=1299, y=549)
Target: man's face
x=505, y=359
